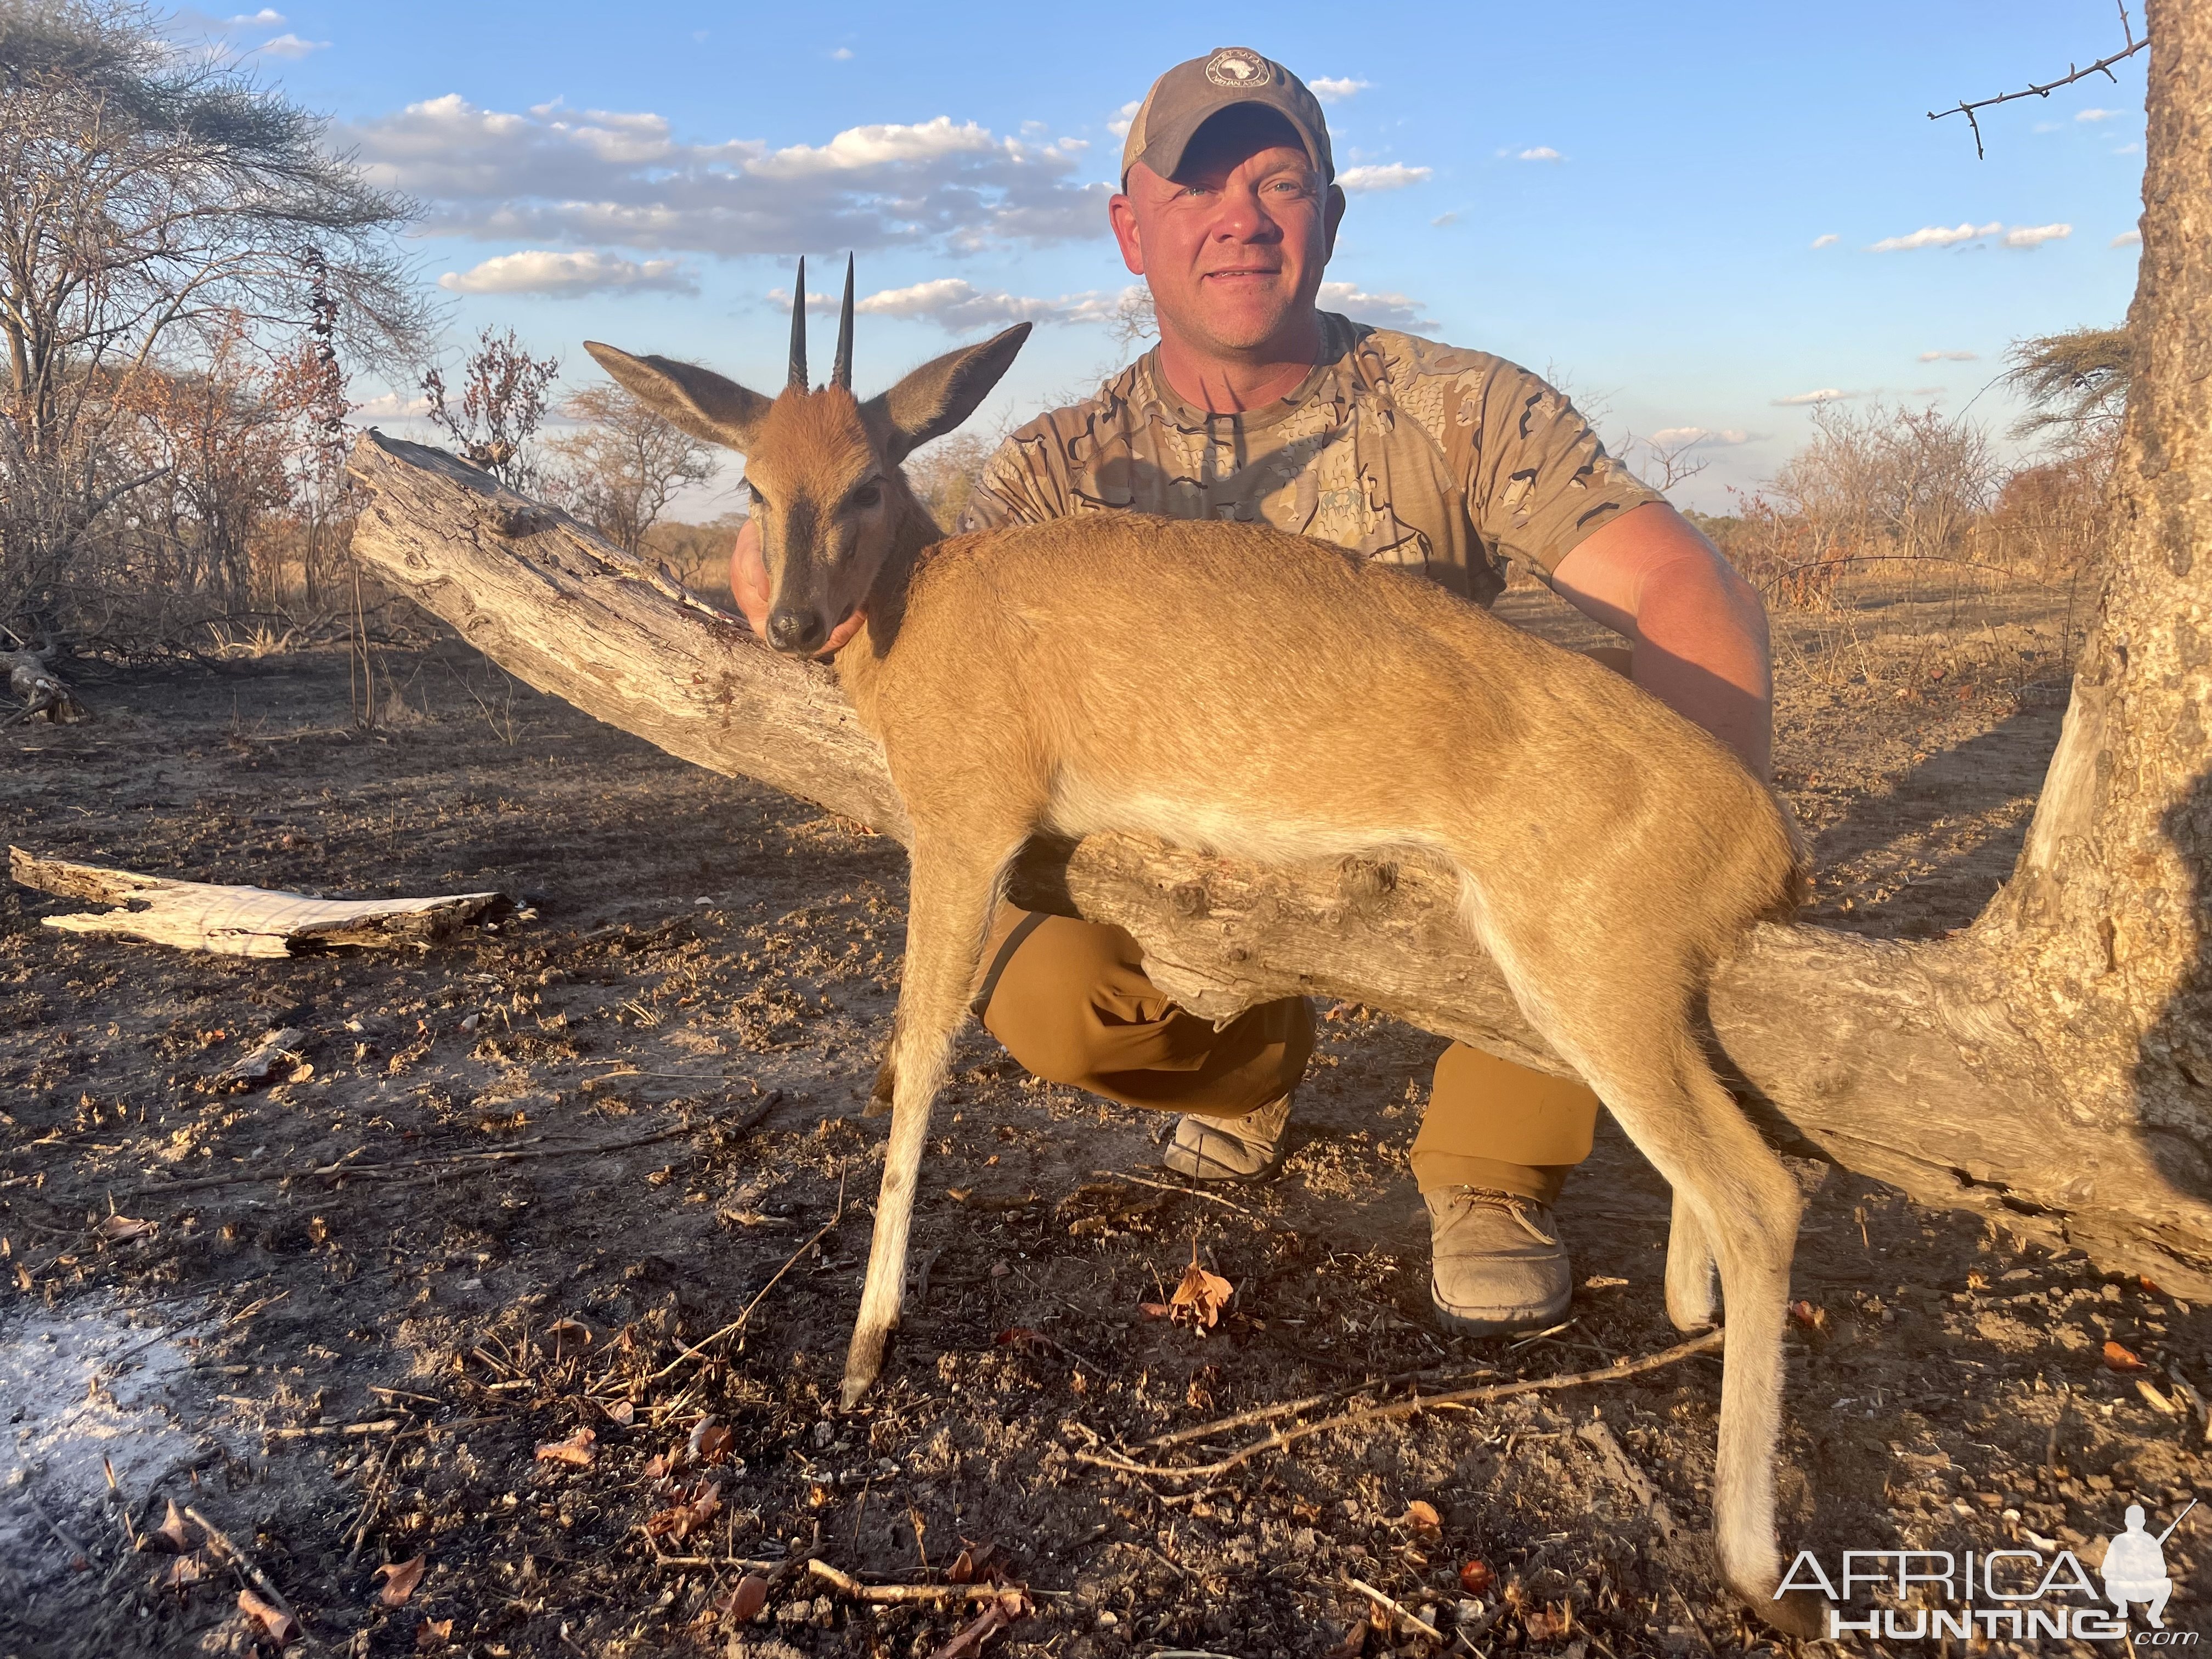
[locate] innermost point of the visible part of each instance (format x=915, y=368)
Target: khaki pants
x=1071, y=1002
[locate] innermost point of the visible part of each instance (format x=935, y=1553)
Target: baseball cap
x=1192, y=93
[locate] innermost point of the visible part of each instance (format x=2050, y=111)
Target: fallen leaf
x=432, y=1635
x=122, y=1228
x=400, y=1579
x=959, y=1194
x=1035, y=1344
x=995, y=1618
x=277, y=1625
x=2119, y=1359
x=1544, y=1624
x=2145, y=1280
x=1602, y=1282
x=687, y=1515
x=711, y=1442
x=619, y=1412
x=1422, y=1520
x=577, y=1448
x=1154, y=1309
x=745, y=1599
x=1476, y=1578
x=1000, y=1270
x=168, y=1538
x=185, y=1571
x=1806, y=1317
x=978, y=1564
x=570, y=1330
x=1201, y=1298
x=2156, y=1400
x=1354, y=1643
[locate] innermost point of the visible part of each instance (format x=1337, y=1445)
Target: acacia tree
x=505, y=392
x=2050, y=1066
x=624, y=463
x=155, y=200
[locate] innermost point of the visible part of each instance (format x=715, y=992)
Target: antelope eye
x=759, y=500
x=868, y=494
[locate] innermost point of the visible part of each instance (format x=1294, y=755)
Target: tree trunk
x=2047, y=1066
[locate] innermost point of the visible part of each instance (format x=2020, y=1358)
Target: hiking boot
x=1498, y=1264
x=1229, y=1148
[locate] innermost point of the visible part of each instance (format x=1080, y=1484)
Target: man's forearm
x=1698, y=628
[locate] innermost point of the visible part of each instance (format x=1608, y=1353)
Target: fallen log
x=241, y=922
x=1927, y=1066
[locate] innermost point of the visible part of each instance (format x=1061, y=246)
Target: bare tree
x=155, y=203
x=945, y=473
x=624, y=463
x=1664, y=466
x=505, y=392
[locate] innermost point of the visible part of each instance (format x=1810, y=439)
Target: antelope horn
x=841, y=371
x=798, y=328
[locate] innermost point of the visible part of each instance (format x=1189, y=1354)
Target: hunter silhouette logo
x=2135, y=1567
x=1984, y=1595
x=1233, y=66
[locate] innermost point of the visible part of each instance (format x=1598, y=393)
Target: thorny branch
x=2103, y=66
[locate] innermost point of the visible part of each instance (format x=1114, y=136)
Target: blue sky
x=1627, y=195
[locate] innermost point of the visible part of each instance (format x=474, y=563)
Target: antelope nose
x=796, y=630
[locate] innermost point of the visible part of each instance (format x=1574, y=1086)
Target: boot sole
x=1516, y=1324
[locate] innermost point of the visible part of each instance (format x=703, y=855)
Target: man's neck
x=1231, y=385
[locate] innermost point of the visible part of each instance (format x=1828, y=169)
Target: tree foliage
x=165, y=216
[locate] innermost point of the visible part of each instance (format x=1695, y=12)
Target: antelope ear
x=937, y=396
x=697, y=399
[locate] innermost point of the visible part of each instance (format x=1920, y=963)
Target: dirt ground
x=514, y=1179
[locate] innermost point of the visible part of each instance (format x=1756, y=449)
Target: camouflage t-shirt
x=1451, y=462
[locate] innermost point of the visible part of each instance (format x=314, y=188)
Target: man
x=1257, y=405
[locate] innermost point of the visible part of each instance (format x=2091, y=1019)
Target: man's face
x=1233, y=247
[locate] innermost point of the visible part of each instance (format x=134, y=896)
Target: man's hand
x=1699, y=628
x=749, y=587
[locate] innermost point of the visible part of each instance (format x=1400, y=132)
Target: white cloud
x=1950, y=235
x=2130, y=148
x=2096, y=114
x=1390, y=175
x=1668, y=436
x=290, y=46
x=567, y=276
x=264, y=19
x=555, y=176
x=1937, y=236
x=1336, y=89
x=843, y=54
x=1443, y=219
x=961, y=307
x=1119, y=126
x=1396, y=310
x=1538, y=152
x=1825, y=394
x=1948, y=357
x=390, y=406
x=2126, y=239
x=1829, y=240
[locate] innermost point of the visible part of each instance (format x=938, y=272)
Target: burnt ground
x=516, y=1176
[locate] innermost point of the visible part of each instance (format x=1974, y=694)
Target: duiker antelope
x=1212, y=684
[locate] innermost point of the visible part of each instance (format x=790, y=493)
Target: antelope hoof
x=864, y=1364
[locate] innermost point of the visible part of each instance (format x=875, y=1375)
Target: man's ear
x=1332, y=216
x=937, y=396
x=696, y=399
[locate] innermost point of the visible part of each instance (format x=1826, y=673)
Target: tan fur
x=1230, y=688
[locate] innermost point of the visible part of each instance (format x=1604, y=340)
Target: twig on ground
x=1706, y=1343
x=381, y=1426
x=1404, y=1614
x=253, y=1574
x=698, y=1350
x=1690, y=1614
x=371, y=1502
x=1600, y=1434
x=1169, y=1187
x=122, y=1505
x=846, y=1584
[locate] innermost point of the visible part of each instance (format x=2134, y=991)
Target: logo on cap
x=1233, y=66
